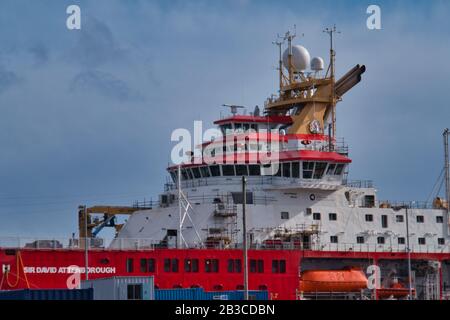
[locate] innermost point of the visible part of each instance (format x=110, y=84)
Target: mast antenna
x=447, y=176
x=331, y=31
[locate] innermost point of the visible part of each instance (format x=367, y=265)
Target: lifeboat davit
x=349, y=280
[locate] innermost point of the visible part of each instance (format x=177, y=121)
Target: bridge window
x=420, y=219
x=316, y=216
x=256, y=266
x=439, y=219
x=331, y=167
x=401, y=240
x=441, y=241
x=360, y=240
x=308, y=168
x=295, y=170
x=421, y=241
x=189, y=173
x=228, y=170
x=147, y=265
x=241, y=170
x=184, y=174
x=215, y=170
x=205, y=172
x=196, y=172
x=332, y=216
x=334, y=239
x=399, y=218
x=130, y=265
x=319, y=170
x=339, y=169
x=380, y=240
x=171, y=265
x=287, y=169
x=369, y=217
x=254, y=169
x=173, y=175
x=384, y=221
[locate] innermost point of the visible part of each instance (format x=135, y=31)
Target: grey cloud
x=105, y=84
x=7, y=79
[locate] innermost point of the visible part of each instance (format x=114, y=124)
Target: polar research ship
x=267, y=206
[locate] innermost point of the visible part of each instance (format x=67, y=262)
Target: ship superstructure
x=308, y=226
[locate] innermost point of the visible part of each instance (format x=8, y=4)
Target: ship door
x=306, y=242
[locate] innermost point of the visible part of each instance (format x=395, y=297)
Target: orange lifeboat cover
x=350, y=280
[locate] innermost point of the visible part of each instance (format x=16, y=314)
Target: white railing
x=151, y=244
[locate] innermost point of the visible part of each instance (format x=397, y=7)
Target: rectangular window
x=308, y=168
x=256, y=266
x=228, y=170
x=174, y=265
x=260, y=266
x=241, y=170
x=282, y=266
x=420, y=219
x=278, y=266
x=215, y=171
x=384, y=221
x=252, y=266
x=332, y=216
x=130, y=267
x=360, y=240
x=234, y=266
x=295, y=170
x=287, y=169
x=316, y=216
x=151, y=265
x=255, y=170
x=334, y=239
x=369, y=217
x=441, y=241
x=211, y=265
x=134, y=292
x=380, y=240
x=191, y=265
x=166, y=265
x=196, y=172
x=421, y=241
x=439, y=219
x=319, y=170
x=144, y=265
x=284, y=215
x=401, y=240
x=399, y=218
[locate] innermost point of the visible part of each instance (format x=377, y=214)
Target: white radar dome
x=300, y=58
x=317, y=64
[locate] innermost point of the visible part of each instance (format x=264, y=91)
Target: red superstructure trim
x=257, y=119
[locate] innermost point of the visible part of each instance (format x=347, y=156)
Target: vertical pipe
x=409, y=255
x=447, y=178
x=244, y=235
x=179, y=208
x=86, y=245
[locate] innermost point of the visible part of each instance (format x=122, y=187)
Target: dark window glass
x=241, y=170
x=167, y=265
x=230, y=265
x=420, y=219
x=252, y=266
x=439, y=219
x=308, y=168
x=196, y=172
x=319, y=170
x=260, y=266
x=332, y=216
x=130, y=267
x=380, y=240
x=369, y=217
x=401, y=240
x=215, y=265
x=205, y=172
x=295, y=170
x=282, y=266
x=238, y=265
x=194, y=267
x=339, y=169
x=215, y=171
x=360, y=240
x=228, y=170
x=189, y=173
x=187, y=265
x=184, y=174
x=399, y=218
x=422, y=241
x=174, y=265
x=384, y=221
x=441, y=241
x=255, y=170
x=134, y=292
x=151, y=265
x=144, y=265
x=331, y=168
x=284, y=215
x=316, y=216
x=275, y=266
x=287, y=169
x=334, y=239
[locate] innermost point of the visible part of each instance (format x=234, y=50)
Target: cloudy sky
x=86, y=115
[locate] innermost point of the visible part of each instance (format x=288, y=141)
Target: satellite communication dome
x=317, y=64
x=300, y=58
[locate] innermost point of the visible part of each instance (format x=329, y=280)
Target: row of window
x=368, y=218
x=307, y=170
x=210, y=265
x=382, y=240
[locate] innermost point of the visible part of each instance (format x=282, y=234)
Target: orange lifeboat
x=349, y=280
x=397, y=290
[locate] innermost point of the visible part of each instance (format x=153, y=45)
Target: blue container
x=200, y=294
x=47, y=294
